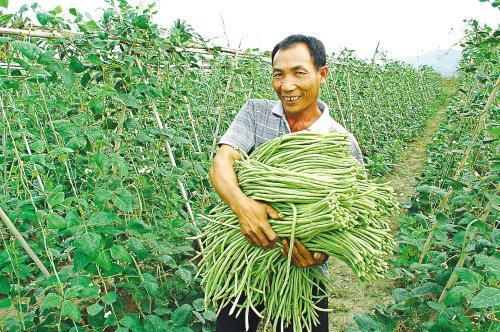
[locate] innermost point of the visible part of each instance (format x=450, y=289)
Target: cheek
x=276, y=86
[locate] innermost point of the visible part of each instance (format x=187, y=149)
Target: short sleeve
x=355, y=150
x=241, y=132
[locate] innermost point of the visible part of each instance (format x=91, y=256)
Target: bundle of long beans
x=328, y=203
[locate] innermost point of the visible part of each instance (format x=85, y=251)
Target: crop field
x=108, y=129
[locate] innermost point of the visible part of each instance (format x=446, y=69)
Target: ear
x=323, y=72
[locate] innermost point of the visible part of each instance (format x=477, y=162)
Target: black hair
x=315, y=46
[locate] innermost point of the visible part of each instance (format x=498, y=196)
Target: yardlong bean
x=328, y=203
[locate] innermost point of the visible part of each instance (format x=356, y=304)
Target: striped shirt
x=259, y=121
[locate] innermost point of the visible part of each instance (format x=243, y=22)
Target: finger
x=319, y=256
x=301, y=256
x=284, y=253
x=294, y=262
x=273, y=213
x=270, y=234
x=304, y=252
x=261, y=236
x=285, y=246
x=253, y=239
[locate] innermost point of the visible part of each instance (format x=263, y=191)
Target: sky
x=402, y=27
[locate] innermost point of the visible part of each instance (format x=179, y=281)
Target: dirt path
x=350, y=299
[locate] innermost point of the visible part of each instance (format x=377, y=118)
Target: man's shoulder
x=260, y=105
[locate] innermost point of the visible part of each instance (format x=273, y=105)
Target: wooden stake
x=23, y=242
x=461, y=165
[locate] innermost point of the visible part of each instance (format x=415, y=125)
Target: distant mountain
x=444, y=62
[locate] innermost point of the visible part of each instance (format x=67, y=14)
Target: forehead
x=296, y=55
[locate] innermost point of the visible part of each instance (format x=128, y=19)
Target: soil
x=350, y=298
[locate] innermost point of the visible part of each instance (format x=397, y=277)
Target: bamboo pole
x=61, y=34
x=461, y=165
x=23, y=242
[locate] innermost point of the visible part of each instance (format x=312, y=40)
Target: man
x=299, y=68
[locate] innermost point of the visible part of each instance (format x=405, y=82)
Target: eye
x=278, y=75
x=300, y=73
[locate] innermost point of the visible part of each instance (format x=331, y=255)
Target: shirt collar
x=322, y=124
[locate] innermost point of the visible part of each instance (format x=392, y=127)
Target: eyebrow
x=293, y=68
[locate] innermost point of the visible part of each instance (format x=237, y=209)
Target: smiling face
x=296, y=80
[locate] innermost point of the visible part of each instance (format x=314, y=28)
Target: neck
x=303, y=119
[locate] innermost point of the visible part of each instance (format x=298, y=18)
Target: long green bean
x=328, y=203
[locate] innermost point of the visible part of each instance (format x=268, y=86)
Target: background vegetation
x=107, y=136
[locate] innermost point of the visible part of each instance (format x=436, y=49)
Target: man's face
x=296, y=80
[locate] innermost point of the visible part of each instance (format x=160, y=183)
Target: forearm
x=225, y=181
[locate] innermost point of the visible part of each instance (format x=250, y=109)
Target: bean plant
x=447, y=264
x=107, y=134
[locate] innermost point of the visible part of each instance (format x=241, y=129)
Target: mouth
x=290, y=100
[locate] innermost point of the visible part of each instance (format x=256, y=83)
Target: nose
x=288, y=84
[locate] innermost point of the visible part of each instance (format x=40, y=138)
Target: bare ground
x=350, y=299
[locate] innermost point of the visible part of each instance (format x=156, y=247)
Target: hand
x=301, y=257
x=253, y=217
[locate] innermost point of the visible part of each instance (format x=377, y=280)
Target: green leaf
x=103, y=195
x=104, y=261
x=55, y=221
x=199, y=304
x=469, y=276
x=75, y=65
x=60, y=151
x=73, y=292
x=4, y=19
x=128, y=100
x=90, y=292
x=457, y=294
x=71, y=310
x=90, y=243
x=119, y=253
x=68, y=78
x=182, y=315
x=150, y=284
x=57, y=10
x=138, y=247
x=185, y=275
x=109, y=298
x=427, y=289
x=491, y=264
x=142, y=21
x=91, y=26
x=4, y=3
x=29, y=50
x=369, y=322
x=80, y=261
x=56, y=199
x=4, y=285
x=4, y=40
x=76, y=143
x=400, y=295
x=94, y=59
x=124, y=200
x=5, y=303
x=210, y=315
x=94, y=309
x=155, y=323
x=51, y=300
x=138, y=227
x=73, y=11
x=487, y=297
x=130, y=321
x=44, y=17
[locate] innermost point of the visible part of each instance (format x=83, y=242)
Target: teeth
x=291, y=98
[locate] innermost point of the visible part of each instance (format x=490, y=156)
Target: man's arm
x=253, y=215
